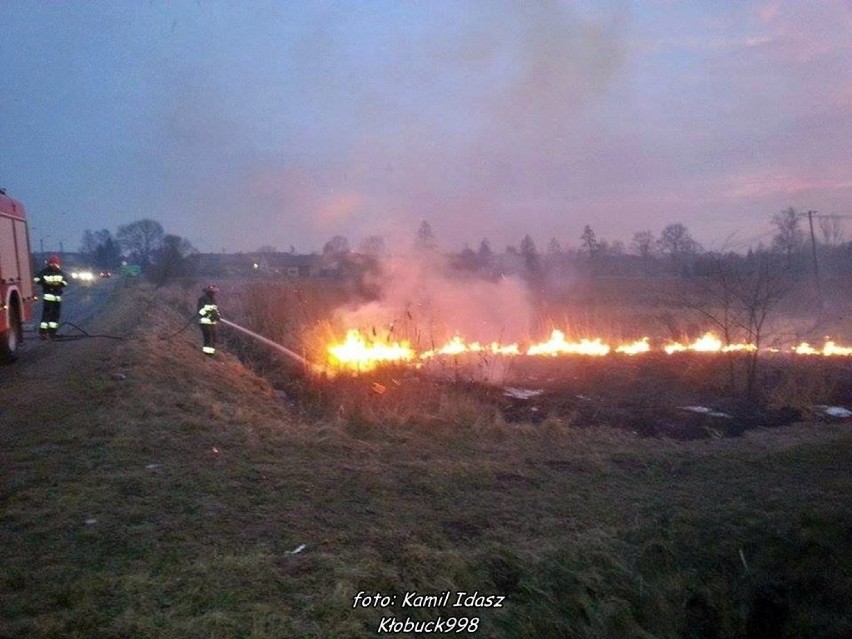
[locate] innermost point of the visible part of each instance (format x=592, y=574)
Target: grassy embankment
x=164, y=505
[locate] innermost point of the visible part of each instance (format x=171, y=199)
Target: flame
x=457, y=346
x=359, y=353
x=557, y=345
x=635, y=348
x=708, y=343
x=829, y=349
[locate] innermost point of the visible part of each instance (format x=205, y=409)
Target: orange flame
x=708, y=343
x=457, y=346
x=829, y=349
x=557, y=345
x=635, y=348
x=358, y=353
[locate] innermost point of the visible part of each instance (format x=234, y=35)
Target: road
x=29, y=386
x=80, y=303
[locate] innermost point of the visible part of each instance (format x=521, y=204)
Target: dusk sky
x=241, y=124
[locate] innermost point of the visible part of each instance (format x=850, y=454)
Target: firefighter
x=208, y=313
x=52, y=281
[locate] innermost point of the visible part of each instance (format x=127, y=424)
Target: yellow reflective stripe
x=208, y=349
x=50, y=297
x=50, y=280
x=206, y=320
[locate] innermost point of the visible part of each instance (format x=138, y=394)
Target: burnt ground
x=683, y=396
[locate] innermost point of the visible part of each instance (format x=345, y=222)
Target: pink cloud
x=766, y=184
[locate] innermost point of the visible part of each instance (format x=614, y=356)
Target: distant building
x=270, y=264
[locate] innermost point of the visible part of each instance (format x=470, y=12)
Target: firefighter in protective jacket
x=52, y=281
x=208, y=318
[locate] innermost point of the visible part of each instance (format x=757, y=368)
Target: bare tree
x=532, y=263
x=100, y=249
x=643, y=245
x=831, y=230
x=170, y=259
x=613, y=249
x=590, y=242
x=759, y=292
x=676, y=242
x=107, y=251
x=738, y=298
x=141, y=239
x=789, y=237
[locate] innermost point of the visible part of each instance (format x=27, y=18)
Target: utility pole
x=814, y=255
x=813, y=246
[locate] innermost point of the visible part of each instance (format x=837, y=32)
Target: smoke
x=360, y=117
x=506, y=130
x=479, y=117
x=425, y=303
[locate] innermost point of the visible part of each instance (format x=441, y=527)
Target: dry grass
x=200, y=480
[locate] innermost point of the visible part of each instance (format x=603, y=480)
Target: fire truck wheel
x=10, y=339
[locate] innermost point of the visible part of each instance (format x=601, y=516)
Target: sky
x=246, y=124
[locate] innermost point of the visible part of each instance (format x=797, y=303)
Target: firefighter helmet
x=211, y=289
x=53, y=260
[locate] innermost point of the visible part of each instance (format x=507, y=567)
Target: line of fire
x=359, y=352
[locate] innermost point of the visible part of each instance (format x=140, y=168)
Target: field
x=162, y=494
x=645, y=394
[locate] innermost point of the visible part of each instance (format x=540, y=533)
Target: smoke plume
x=423, y=302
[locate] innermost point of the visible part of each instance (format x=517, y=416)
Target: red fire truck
x=16, y=280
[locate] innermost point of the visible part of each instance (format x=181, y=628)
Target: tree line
x=804, y=241
x=160, y=255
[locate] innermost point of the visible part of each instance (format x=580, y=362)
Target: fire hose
x=319, y=370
